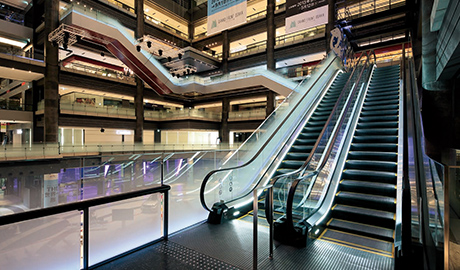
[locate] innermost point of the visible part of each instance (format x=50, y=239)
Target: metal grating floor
x=229, y=246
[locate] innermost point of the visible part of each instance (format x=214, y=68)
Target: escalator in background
x=364, y=209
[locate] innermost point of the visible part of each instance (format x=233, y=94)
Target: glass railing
x=14, y=152
x=98, y=72
x=11, y=16
x=244, y=169
x=149, y=19
x=117, y=224
x=81, y=179
x=15, y=106
x=427, y=187
x=119, y=112
x=282, y=41
x=257, y=114
x=365, y=8
x=310, y=186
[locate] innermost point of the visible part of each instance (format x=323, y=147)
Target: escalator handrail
x=292, y=190
x=315, y=146
x=208, y=176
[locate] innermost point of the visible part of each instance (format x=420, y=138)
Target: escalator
x=81, y=23
x=364, y=209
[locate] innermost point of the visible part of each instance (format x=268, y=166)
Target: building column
x=51, y=115
x=225, y=51
x=224, y=131
x=271, y=35
x=139, y=97
x=330, y=24
x=271, y=102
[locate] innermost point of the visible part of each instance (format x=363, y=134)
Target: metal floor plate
x=229, y=246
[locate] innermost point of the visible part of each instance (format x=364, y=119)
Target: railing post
x=255, y=226
x=166, y=215
x=85, y=238
x=270, y=220
x=161, y=169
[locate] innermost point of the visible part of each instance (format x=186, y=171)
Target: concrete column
x=225, y=51
x=139, y=98
x=191, y=26
x=51, y=115
x=330, y=24
x=37, y=131
x=271, y=101
x=271, y=35
x=224, y=131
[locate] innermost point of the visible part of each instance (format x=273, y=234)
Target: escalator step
x=382, y=124
x=366, y=200
x=382, y=97
x=364, y=215
x=312, y=129
x=380, y=103
x=309, y=135
x=384, y=111
x=376, y=131
x=313, y=123
x=368, y=175
x=302, y=146
x=379, y=94
x=319, y=118
x=359, y=228
x=297, y=156
x=372, y=245
x=378, y=118
x=371, y=164
x=291, y=164
x=374, y=155
x=376, y=139
x=383, y=147
x=379, y=108
x=376, y=188
x=282, y=171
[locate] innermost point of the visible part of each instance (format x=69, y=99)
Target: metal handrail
x=77, y=206
x=206, y=179
x=296, y=182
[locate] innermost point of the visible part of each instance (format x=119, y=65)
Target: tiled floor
x=230, y=246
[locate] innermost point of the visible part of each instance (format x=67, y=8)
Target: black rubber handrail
x=77, y=206
x=206, y=179
x=292, y=190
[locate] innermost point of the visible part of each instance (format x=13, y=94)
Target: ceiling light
x=12, y=42
x=146, y=10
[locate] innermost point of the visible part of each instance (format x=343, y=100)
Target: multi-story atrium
x=194, y=134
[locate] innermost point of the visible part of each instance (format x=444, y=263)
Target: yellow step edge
x=356, y=248
x=357, y=245
x=362, y=236
x=354, y=222
x=366, y=208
